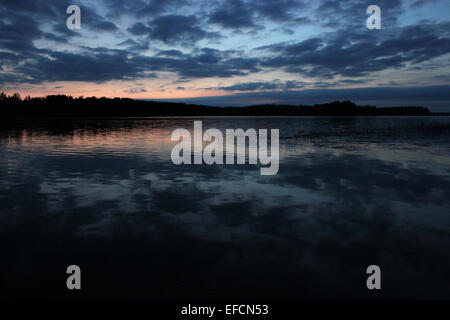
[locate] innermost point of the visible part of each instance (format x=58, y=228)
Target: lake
x=105, y=195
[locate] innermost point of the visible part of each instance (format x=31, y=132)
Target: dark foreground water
x=104, y=195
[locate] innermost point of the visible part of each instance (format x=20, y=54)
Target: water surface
x=104, y=194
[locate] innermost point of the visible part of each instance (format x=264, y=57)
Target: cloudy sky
x=230, y=52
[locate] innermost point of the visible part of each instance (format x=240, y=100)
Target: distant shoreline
x=62, y=106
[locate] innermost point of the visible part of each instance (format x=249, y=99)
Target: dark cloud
x=240, y=14
x=254, y=86
x=134, y=46
x=322, y=84
x=104, y=26
x=102, y=64
x=135, y=90
x=143, y=8
x=51, y=9
x=178, y=29
x=198, y=66
x=339, y=14
x=279, y=10
x=420, y=3
x=171, y=53
x=35, y=16
x=99, y=66
x=54, y=37
x=352, y=54
x=233, y=14
x=12, y=36
x=92, y=20
x=139, y=29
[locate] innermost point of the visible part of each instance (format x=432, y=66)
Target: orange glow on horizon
x=112, y=89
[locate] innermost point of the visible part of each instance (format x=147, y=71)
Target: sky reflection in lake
x=105, y=195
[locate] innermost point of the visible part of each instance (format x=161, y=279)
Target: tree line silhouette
x=13, y=106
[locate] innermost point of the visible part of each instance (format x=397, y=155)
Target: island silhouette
x=57, y=106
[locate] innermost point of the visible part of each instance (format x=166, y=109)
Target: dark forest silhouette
x=66, y=106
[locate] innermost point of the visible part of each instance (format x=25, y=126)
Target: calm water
x=104, y=195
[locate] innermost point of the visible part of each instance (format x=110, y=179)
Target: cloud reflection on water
x=107, y=195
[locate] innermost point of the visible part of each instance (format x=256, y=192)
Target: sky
x=230, y=52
